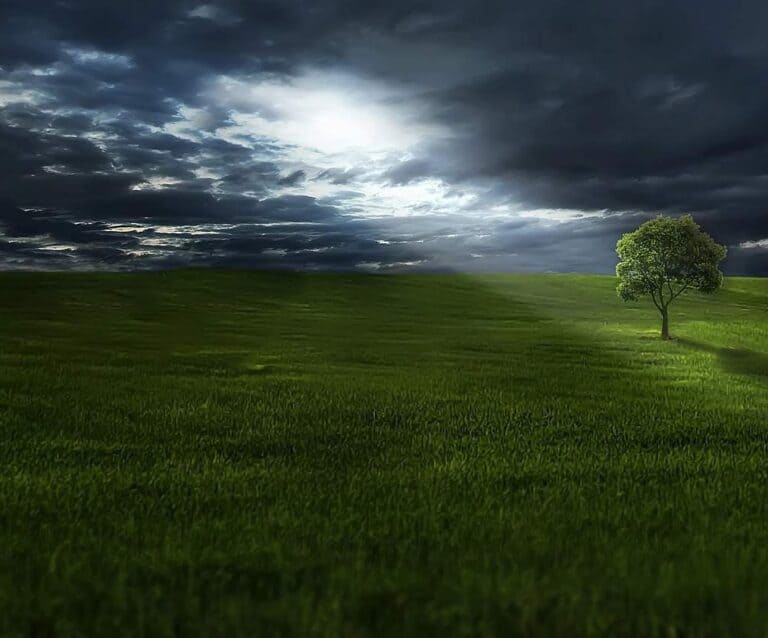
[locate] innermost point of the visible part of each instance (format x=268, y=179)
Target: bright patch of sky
x=323, y=123
x=326, y=113
x=761, y=244
x=98, y=58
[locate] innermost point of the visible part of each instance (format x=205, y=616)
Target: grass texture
x=213, y=453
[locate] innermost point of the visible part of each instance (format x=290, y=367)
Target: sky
x=377, y=136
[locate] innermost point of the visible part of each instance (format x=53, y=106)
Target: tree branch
x=681, y=291
x=655, y=303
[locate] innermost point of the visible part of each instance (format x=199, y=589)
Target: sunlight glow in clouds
x=323, y=122
x=326, y=113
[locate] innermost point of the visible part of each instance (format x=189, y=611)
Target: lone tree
x=665, y=257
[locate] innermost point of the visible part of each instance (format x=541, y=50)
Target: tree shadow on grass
x=736, y=360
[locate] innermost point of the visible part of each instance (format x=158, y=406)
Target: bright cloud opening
x=328, y=114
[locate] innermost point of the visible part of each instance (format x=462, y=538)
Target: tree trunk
x=664, y=323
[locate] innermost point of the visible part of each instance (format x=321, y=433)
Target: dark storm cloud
x=629, y=109
x=293, y=179
x=408, y=171
x=340, y=176
x=648, y=106
x=18, y=223
x=321, y=246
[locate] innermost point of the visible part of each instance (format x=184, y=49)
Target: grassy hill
x=236, y=453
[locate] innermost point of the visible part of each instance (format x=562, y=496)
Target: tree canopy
x=665, y=257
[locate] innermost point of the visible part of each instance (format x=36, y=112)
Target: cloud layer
x=377, y=136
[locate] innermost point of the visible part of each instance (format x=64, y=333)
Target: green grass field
x=202, y=453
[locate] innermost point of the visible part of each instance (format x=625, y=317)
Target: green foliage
x=203, y=453
x=665, y=257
